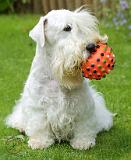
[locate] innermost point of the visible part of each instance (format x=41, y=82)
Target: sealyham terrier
x=57, y=103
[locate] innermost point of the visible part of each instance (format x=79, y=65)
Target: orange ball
x=99, y=63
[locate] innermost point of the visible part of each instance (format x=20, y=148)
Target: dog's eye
x=67, y=28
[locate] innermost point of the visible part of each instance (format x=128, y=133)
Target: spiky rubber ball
x=100, y=62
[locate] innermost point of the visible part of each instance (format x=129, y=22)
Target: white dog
x=57, y=102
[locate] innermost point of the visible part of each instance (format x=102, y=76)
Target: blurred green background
x=17, y=17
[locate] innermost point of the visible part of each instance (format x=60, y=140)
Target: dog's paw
x=82, y=144
x=37, y=143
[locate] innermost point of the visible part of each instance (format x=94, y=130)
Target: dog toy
x=100, y=62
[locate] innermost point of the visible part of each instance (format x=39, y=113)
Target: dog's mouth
x=70, y=71
x=69, y=66
x=73, y=68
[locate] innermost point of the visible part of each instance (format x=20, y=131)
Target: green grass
x=16, y=53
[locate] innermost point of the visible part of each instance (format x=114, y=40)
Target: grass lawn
x=16, y=53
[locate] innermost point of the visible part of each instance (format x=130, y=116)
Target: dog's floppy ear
x=37, y=33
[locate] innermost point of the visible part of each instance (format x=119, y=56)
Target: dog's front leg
x=39, y=132
x=84, y=137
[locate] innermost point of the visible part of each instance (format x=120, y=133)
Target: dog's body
x=57, y=103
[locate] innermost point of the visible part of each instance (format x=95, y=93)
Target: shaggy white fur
x=57, y=103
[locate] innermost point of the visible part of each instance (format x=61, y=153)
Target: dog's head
x=65, y=35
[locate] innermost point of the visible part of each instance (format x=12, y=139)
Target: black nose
x=90, y=47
